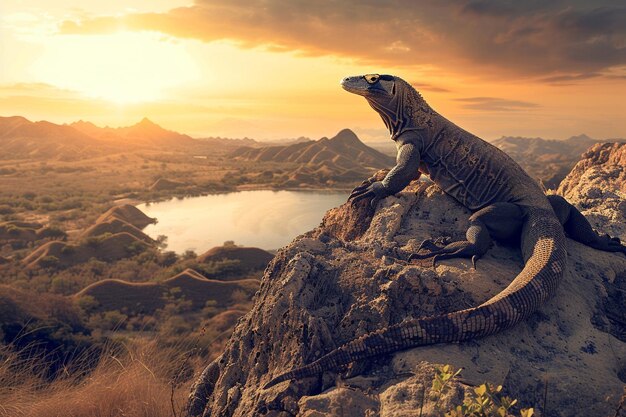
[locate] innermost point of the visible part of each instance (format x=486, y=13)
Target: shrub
x=68, y=250
x=52, y=232
x=49, y=262
x=486, y=400
x=109, y=320
x=135, y=248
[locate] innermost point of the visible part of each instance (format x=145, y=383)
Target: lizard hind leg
x=500, y=221
x=578, y=228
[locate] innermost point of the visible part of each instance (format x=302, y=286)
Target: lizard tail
x=543, y=248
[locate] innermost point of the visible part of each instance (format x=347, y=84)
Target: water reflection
x=265, y=219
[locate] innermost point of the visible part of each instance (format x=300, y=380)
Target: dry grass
x=136, y=381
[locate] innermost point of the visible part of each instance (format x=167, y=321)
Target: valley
x=84, y=271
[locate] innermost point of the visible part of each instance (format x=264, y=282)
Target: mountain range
x=22, y=139
x=341, y=158
x=325, y=161
x=547, y=160
x=145, y=132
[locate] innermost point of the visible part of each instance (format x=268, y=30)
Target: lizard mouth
x=346, y=84
x=365, y=92
x=352, y=89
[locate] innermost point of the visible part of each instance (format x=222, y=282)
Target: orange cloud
x=562, y=38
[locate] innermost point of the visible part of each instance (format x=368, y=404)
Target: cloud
x=429, y=87
x=495, y=104
x=514, y=38
x=557, y=79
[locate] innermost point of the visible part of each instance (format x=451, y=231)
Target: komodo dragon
x=506, y=203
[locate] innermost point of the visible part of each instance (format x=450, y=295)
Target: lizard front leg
x=406, y=170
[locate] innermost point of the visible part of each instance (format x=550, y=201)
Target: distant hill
x=545, y=159
x=283, y=142
x=115, y=235
x=249, y=258
x=217, y=140
x=106, y=247
x=128, y=214
x=146, y=297
x=341, y=158
x=144, y=132
x=22, y=139
x=18, y=233
x=345, y=149
x=388, y=147
x=114, y=226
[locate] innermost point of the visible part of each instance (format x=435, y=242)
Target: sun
x=122, y=67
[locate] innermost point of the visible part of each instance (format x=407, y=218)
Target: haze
x=270, y=69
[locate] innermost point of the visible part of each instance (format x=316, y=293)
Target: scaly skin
x=506, y=203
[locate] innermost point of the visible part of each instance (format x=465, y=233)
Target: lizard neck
x=406, y=111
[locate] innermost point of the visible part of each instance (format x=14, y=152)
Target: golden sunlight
x=122, y=67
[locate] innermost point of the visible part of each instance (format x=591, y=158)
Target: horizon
x=261, y=140
x=238, y=70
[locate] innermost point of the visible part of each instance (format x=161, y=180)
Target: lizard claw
x=375, y=190
x=374, y=201
x=354, y=197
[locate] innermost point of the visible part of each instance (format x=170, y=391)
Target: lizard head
x=371, y=86
x=395, y=100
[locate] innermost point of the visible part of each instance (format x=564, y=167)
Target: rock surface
x=342, y=280
x=597, y=186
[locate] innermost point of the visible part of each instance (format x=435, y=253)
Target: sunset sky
x=270, y=69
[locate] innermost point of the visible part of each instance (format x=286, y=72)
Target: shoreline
x=252, y=187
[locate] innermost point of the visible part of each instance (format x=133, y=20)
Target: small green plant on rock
x=444, y=376
x=484, y=400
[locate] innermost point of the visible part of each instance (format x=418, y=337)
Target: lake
x=265, y=219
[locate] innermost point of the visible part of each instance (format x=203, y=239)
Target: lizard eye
x=371, y=78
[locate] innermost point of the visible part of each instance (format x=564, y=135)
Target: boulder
x=345, y=279
x=597, y=186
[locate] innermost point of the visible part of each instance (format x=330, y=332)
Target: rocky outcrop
x=597, y=186
x=342, y=280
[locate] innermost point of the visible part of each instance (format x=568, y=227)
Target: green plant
x=441, y=383
x=485, y=400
